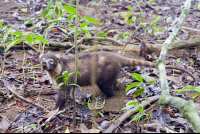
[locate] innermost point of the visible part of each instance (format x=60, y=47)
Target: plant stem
x=76, y=65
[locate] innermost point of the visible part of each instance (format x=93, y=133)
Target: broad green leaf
x=1, y=25
x=33, y=126
x=14, y=42
x=130, y=8
x=195, y=95
x=129, y=22
x=50, y=14
x=127, y=15
x=66, y=74
x=71, y=26
x=135, y=103
x=92, y=20
x=87, y=33
x=132, y=85
x=40, y=38
x=134, y=18
x=138, y=92
x=102, y=35
x=83, y=25
x=150, y=31
x=163, y=29
x=156, y=19
x=29, y=39
x=156, y=29
x=49, y=4
x=17, y=33
x=178, y=60
x=140, y=109
x=72, y=16
x=43, y=15
x=138, y=116
x=65, y=80
x=137, y=77
x=70, y=9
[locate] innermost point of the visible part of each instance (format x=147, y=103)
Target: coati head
x=49, y=61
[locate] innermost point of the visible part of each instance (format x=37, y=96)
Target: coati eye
x=51, y=61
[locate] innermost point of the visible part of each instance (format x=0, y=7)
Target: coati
x=108, y=66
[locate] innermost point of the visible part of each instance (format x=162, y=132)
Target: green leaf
x=189, y=89
x=163, y=29
x=130, y=8
x=56, y=20
x=156, y=29
x=128, y=107
x=156, y=19
x=58, y=77
x=102, y=35
x=138, y=92
x=132, y=85
x=137, y=77
x=58, y=12
x=59, y=5
x=33, y=126
x=135, y=103
x=92, y=20
x=72, y=16
x=70, y=9
x=151, y=82
x=65, y=80
x=43, y=15
x=75, y=85
x=127, y=15
x=87, y=33
x=138, y=116
x=129, y=22
x=65, y=74
x=195, y=95
x=134, y=18
x=49, y=4
x=14, y=42
x=40, y=38
x=178, y=60
x=78, y=73
x=83, y=25
x=17, y=33
x=140, y=109
x=150, y=31
x=60, y=84
x=29, y=39
x=1, y=25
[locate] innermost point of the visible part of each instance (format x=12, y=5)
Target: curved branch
x=187, y=108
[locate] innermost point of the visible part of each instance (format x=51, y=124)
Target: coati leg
x=106, y=88
x=63, y=95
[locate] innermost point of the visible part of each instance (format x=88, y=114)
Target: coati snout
x=49, y=61
x=108, y=66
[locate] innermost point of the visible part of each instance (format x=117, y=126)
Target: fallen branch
x=117, y=122
x=187, y=108
x=38, y=105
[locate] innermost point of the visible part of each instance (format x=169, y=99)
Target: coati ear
x=41, y=56
x=58, y=56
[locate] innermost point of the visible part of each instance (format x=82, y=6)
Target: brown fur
x=108, y=66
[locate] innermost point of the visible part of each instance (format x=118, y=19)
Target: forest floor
x=14, y=111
